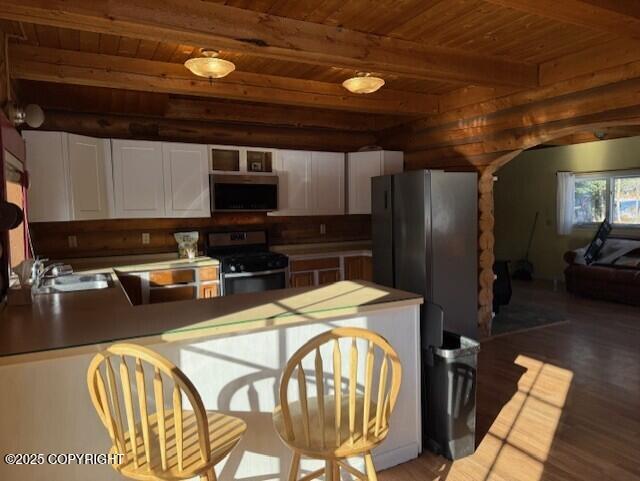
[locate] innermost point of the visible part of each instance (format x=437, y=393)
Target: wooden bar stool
x=168, y=442
x=333, y=425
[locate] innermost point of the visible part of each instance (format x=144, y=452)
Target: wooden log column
x=486, y=257
x=486, y=242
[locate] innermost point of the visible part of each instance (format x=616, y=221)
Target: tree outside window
x=590, y=203
x=626, y=200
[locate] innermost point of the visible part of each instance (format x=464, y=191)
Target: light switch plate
x=72, y=241
x=323, y=229
x=146, y=238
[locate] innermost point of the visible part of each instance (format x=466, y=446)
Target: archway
x=486, y=216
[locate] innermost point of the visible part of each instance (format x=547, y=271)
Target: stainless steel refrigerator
x=425, y=241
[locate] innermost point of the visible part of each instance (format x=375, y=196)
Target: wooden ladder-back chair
x=333, y=425
x=168, y=442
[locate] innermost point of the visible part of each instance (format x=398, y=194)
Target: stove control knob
x=232, y=268
x=241, y=268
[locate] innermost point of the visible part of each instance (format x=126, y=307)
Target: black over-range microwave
x=243, y=192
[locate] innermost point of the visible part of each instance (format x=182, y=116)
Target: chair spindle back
x=124, y=425
x=371, y=408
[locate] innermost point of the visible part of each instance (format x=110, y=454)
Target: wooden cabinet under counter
x=170, y=294
x=316, y=271
x=315, y=264
x=172, y=277
x=327, y=277
x=209, y=290
x=358, y=268
x=302, y=279
x=168, y=285
x=209, y=273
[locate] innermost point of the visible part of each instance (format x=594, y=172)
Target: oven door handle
x=233, y=275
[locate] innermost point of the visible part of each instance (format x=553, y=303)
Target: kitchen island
x=232, y=348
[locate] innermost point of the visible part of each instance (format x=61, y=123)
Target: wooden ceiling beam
x=146, y=128
x=211, y=110
x=477, y=115
x=600, y=57
x=594, y=101
x=81, y=68
x=208, y=24
x=99, y=100
x=607, y=133
x=618, y=17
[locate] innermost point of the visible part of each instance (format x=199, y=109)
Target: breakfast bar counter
x=70, y=323
x=232, y=348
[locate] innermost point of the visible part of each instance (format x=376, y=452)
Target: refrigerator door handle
x=386, y=201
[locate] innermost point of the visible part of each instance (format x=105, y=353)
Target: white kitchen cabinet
x=327, y=174
x=310, y=183
x=361, y=167
x=70, y=177
x=230, y=159
x=138, y=179
x=186, y=180
x=90, y=177
x=295, y=192
x=47, y=159
x=392, y=162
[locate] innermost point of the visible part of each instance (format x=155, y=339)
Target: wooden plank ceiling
x=291, y=57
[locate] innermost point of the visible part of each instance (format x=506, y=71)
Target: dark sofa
x=607, y=282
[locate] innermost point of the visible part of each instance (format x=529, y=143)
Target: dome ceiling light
x=363, y=83
x=209, y=65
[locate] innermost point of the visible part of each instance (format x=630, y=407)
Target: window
x=590, y=203
x=626, y=200
x=613, y=195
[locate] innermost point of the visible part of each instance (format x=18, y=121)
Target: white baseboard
x=387, y=459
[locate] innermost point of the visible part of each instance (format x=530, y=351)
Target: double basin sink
x=75, y=283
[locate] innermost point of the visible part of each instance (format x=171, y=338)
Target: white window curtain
x=564, y=203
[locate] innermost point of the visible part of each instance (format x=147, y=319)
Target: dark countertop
x=56, y=325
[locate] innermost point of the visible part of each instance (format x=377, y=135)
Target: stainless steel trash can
x=450, y=374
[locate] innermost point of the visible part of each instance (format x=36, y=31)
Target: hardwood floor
x=559, y=403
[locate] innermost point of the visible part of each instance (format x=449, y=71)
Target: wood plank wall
x=124, y=236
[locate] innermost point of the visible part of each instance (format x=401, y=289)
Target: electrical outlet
x=323, y=229
x=72, y=241
x=146, y=238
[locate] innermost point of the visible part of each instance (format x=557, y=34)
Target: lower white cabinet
x=186, y=180
x=138, y=179
x=361, y=167
x=70, y=177
x=310, y=183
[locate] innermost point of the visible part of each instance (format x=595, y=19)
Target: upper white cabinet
x=90, y=176
x=70, y=177
x=73, y=177
x=295, y=194
x=47, y=159
x=138, y=178
x=310, y=183
x=327, y=172
x=186, y=180
x=361, y=167
x=231, y=159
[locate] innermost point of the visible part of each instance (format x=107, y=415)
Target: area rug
x=519, y=316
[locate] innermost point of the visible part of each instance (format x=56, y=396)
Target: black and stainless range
x=246, y=263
